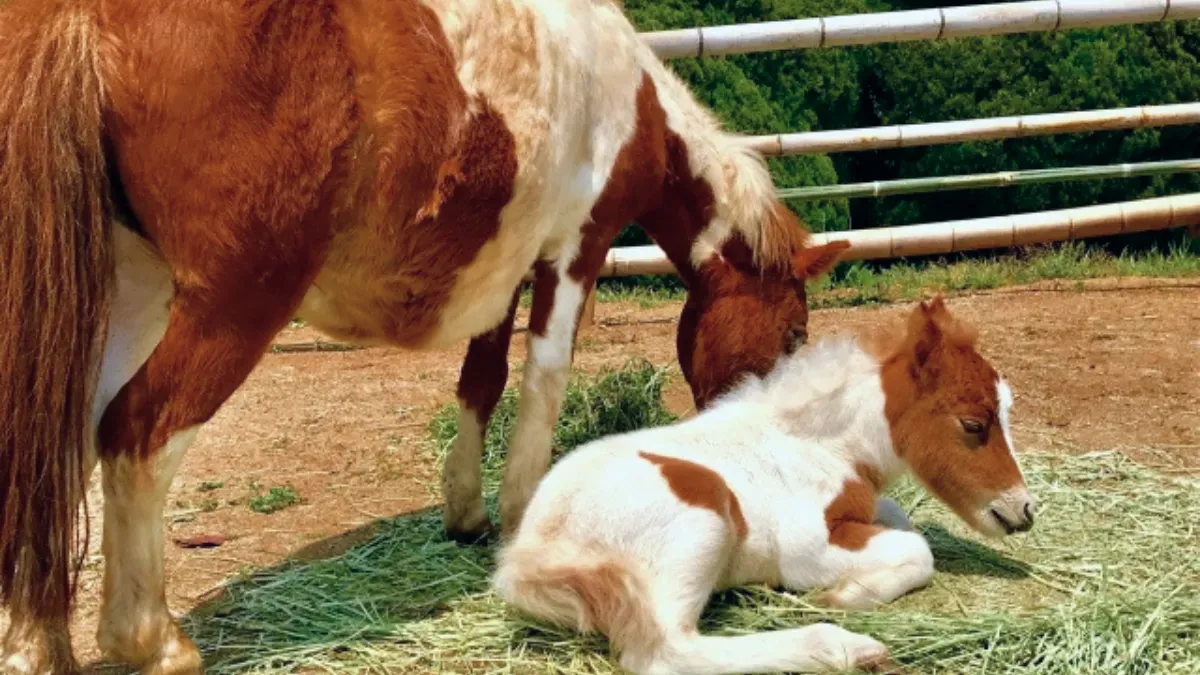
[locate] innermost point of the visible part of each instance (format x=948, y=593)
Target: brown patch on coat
x=432, y=170
x=850, y=517
x=634, y=185
x=545, y=283
x=699, y=486
x=233, y=181
x=485, y=368
x=932, y=378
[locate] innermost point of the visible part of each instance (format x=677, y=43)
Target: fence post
x=587, y=318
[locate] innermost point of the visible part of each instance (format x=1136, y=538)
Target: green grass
x=1108, y=582
x=862, y=283
x=611, y=402
x=276, y=499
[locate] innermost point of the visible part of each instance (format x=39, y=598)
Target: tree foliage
x=935, y=81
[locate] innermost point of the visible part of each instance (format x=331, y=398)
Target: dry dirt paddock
x=1114, y=366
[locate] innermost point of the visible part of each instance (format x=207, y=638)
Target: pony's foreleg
x=557, y=302
x=480, y=385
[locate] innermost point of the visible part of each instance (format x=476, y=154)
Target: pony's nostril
x=1029, y=512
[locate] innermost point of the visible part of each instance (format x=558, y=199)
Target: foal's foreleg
x=480, y=385
x=890, y=564
x=557, y=301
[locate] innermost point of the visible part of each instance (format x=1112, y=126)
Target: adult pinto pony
x=181, y=177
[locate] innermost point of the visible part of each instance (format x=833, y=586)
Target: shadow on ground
x=958, y=556
x=359, y=586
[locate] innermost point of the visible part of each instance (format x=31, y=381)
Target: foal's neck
x=831, y=394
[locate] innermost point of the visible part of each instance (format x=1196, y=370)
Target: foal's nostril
x=1029, y=512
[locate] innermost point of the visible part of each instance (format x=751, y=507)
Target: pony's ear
x=813, y=261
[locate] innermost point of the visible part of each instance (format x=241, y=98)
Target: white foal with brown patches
x=778, y=482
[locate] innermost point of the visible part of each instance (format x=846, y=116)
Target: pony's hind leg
x=33, y=644
x=557, y=302
x=480, y=385
x=215, y=334
x=137, y=319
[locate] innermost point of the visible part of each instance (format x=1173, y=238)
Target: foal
x=778, y=482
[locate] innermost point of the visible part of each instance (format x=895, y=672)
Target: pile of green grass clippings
x=1108, y=582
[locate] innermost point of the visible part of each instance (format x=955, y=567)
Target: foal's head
x=948, y=410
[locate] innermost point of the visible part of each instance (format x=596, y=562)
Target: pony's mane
x=743, y=191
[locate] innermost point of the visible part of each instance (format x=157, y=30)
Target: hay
x=1108, y=582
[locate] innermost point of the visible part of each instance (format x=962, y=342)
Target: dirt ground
x=1092, y=370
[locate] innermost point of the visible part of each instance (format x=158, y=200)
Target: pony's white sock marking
x=542, y=388
x=135, y=625
x=461, y=476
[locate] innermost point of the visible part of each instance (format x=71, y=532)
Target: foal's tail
x=588, y=591
x=54, y=292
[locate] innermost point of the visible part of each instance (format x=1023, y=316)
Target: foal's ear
x=813, y=261
x=924, y=329
x=931, y=324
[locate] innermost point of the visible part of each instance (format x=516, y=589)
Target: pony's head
x=948, y=411
x=740, y=318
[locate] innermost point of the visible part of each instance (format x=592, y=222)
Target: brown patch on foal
x=850, y=516
x=699, y=486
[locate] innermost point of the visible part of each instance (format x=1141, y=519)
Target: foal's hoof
x=479, y=534
x=881, y=664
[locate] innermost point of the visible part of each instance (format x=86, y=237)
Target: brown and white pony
x=181, y=177
x=777, y=482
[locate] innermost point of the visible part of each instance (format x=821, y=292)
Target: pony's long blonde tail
x=55, y=284
x=588, y=591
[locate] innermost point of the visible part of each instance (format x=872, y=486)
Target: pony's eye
x=971, y=426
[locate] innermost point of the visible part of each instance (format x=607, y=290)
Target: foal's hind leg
x=480, y=385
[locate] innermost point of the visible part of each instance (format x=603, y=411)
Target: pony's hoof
x=178, y=656
x=35, y=652
x=478, y=534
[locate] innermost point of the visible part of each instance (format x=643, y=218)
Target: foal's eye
x=971, y=426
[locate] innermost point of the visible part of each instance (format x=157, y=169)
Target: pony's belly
x=388, y=309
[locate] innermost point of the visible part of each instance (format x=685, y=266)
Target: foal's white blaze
x=1015, y=505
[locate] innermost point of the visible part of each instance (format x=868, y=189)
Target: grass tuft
x=276, y=499
x=1107, y=582
x=614, y=401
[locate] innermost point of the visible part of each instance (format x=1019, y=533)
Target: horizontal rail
x=966, y=235
x=985, y=129
x=909, y=186
x=922, y=24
